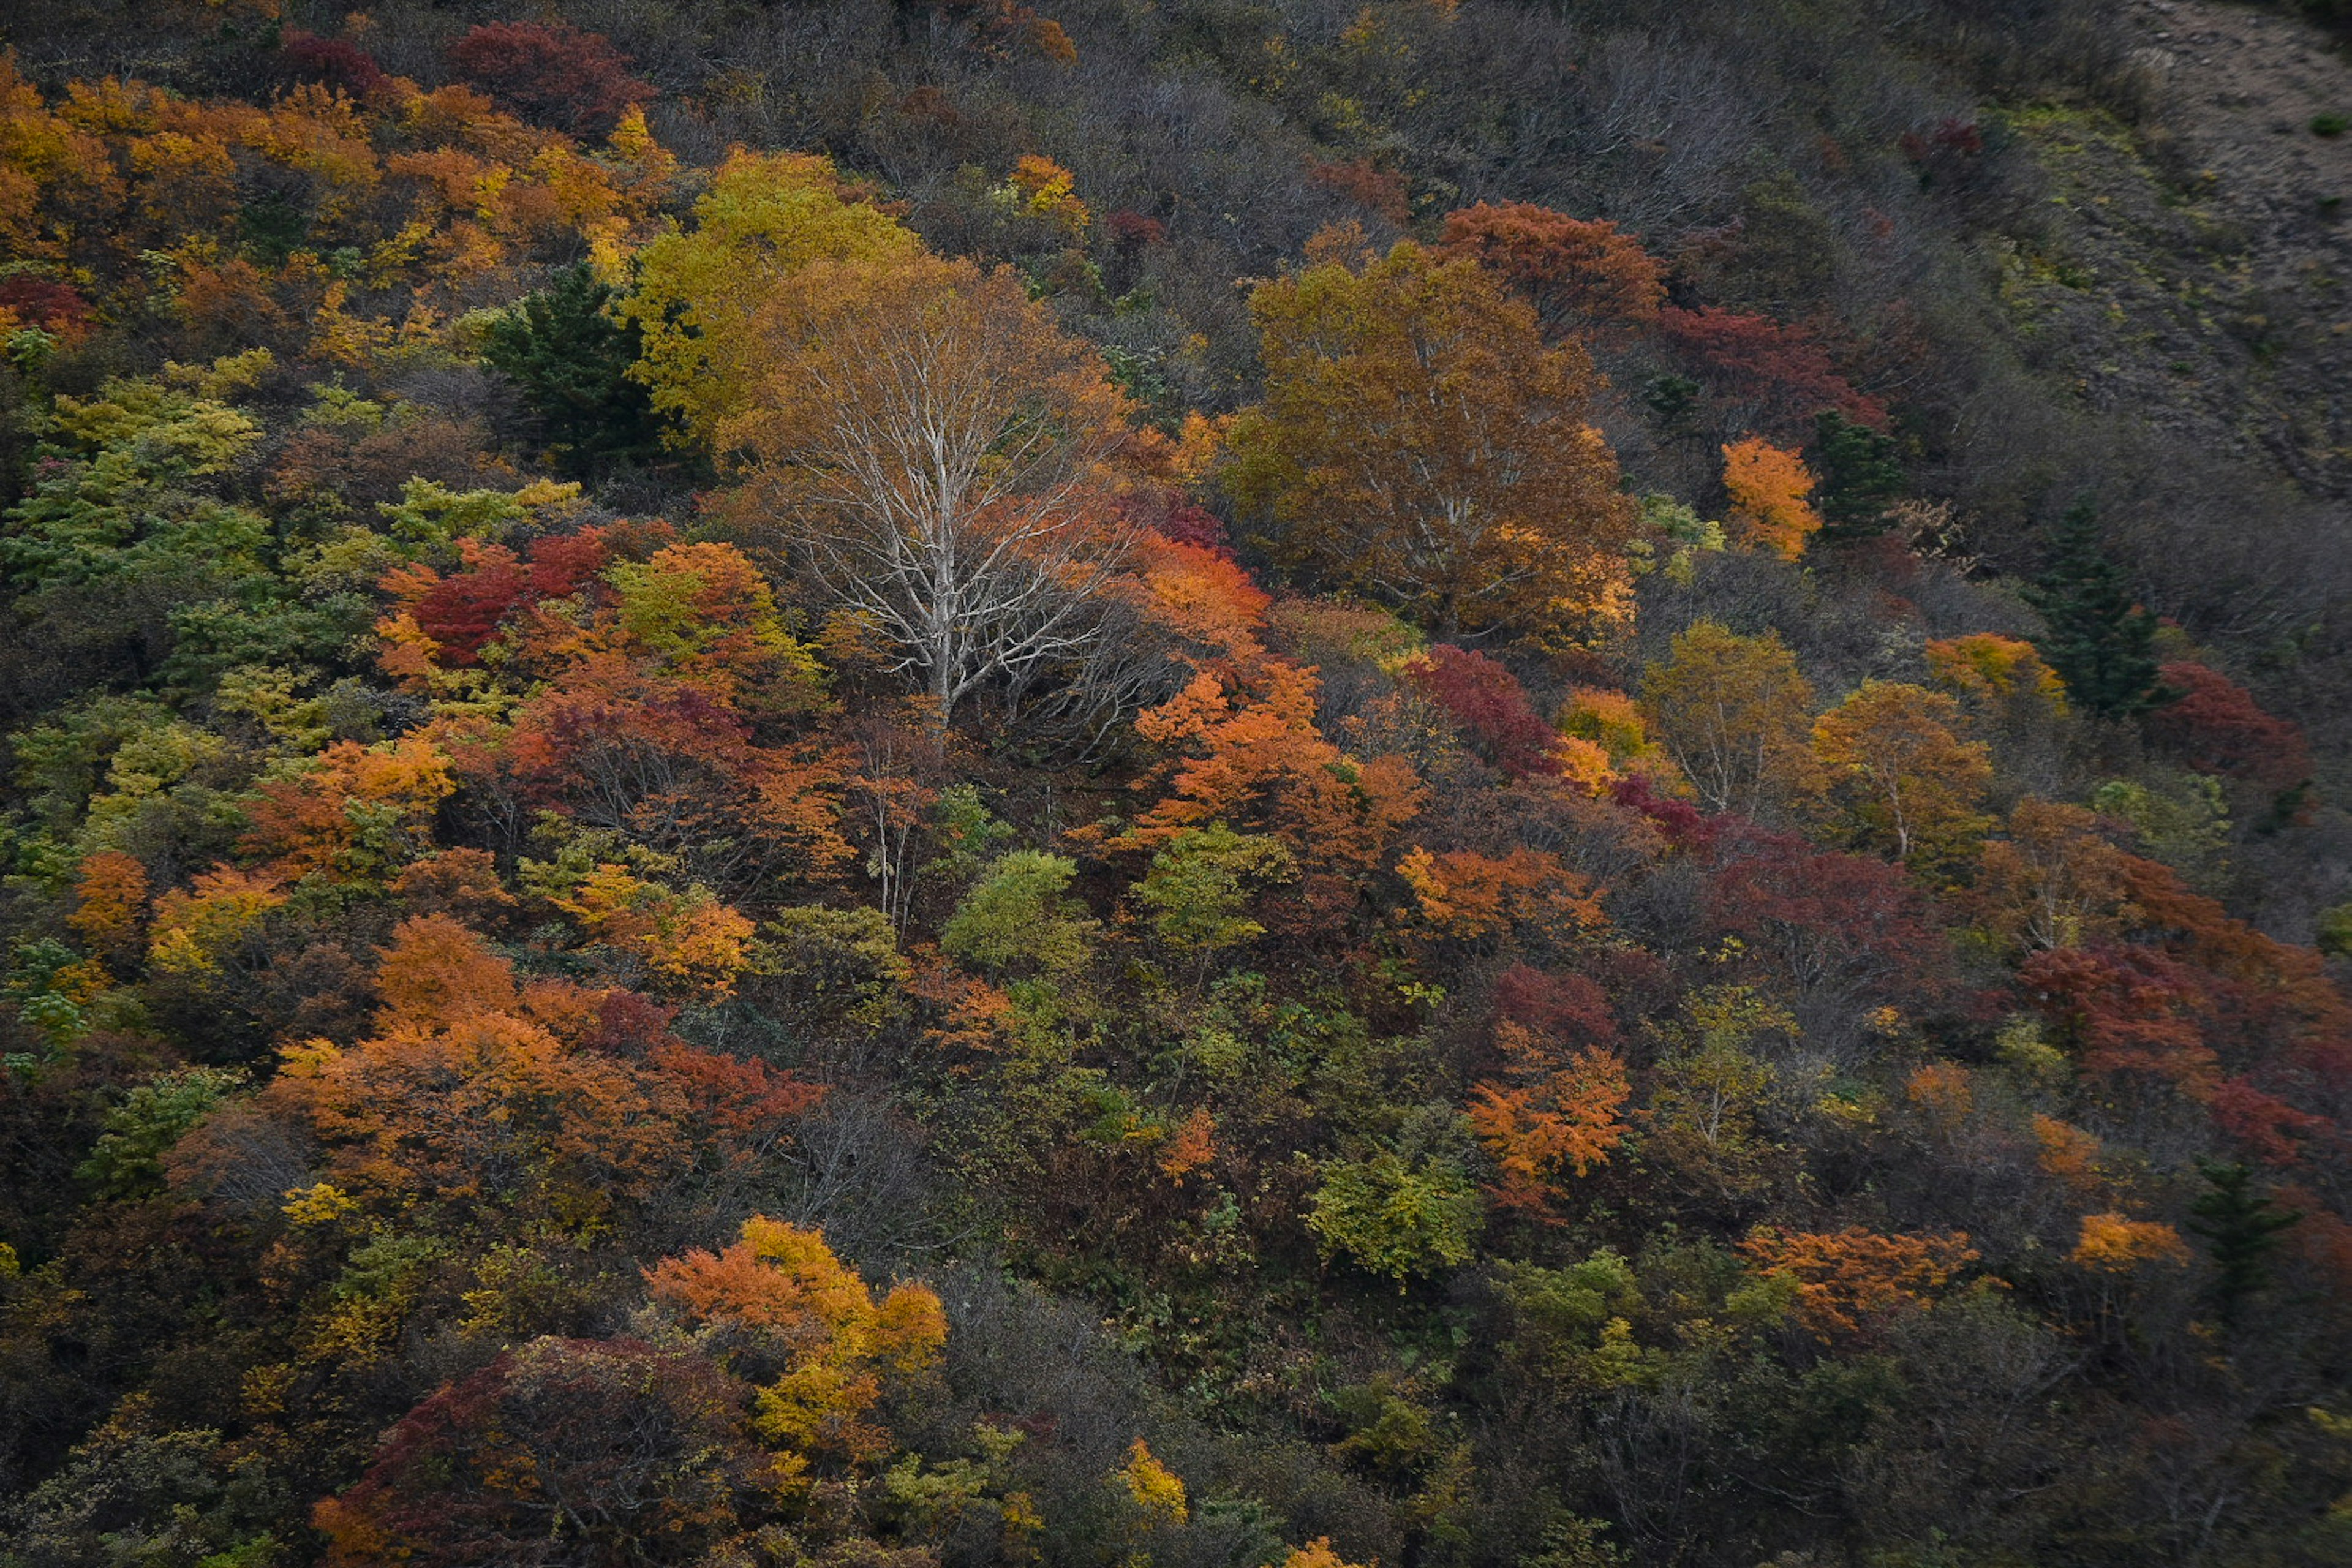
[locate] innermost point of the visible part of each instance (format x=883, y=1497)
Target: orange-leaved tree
x=2052, y=879
x=1247, y=751
x=1850, y=1281
x=1768, y=486
x=480, y=1095
x=1418, y=442
x=1577, y=273
x=793, y=1318
x=1463, y=895
x=1554, y=1111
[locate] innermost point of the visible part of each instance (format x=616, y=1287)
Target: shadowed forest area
x=1175, y=783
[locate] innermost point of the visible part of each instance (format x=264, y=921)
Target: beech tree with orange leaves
x=1420, y=443
x=1553, y=1114
x=807, y=1330
x=1851, y=1282
x=1577, y=273
x=480, y=1093
x=1247, y=751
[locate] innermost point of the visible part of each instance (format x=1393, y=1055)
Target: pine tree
x=1859, y=478
x=571, y=356
x=2099, y=641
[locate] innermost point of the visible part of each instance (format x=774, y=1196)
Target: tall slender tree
x=936, y=451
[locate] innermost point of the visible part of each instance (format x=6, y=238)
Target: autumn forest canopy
x=1119, y=784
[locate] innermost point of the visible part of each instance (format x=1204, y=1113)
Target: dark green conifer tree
x=1859, y=478
x=2099, y=640
x=2241, y=1229
x=571, y=357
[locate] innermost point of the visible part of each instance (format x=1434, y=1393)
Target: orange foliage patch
x=2111, y=1243
x=1849, y=1280
x=109, y=900
x=1249, y=754
x=1554, y=1113
x=783, y=1283
x=1769, y=485
x=1471, y=897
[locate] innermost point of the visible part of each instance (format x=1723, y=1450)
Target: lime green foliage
x=1397, y=1216
x=128, y=1161
x=1575, y=1322
x=2024, y=1050
x=966, y=832
x=130, y=542
x=122, y=772
x=765, y=217
x=1199, y=887
x=842, y=962
x=1019, y=923
x=41, y=984
x=2182, y=820
x=1710, y=1089
x=433, y=514
x=123, y=501
x=2335, y=931
x=1683, y=533
x=679, y=610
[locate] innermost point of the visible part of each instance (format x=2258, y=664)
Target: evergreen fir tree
x=2099, y=641
x=571, y=357
x=2241, y=1229
x=1859, y=478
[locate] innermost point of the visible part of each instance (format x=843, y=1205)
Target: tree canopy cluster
x=694, y=874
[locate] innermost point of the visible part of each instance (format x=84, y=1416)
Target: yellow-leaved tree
x=1899, y=774
x=1732, y=712
x=800, y=1323
x=766, y=216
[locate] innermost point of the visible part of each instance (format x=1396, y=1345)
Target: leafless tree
x=933, y=446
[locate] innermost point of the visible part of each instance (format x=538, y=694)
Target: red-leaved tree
x=551, y=72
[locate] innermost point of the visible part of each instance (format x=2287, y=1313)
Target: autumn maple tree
x=1768, y=486
x=1851, y=1281
x=1577, y=273
x=1556, y=1110
x=807, y=1330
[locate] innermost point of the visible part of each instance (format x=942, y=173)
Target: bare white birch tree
x=933, y=446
